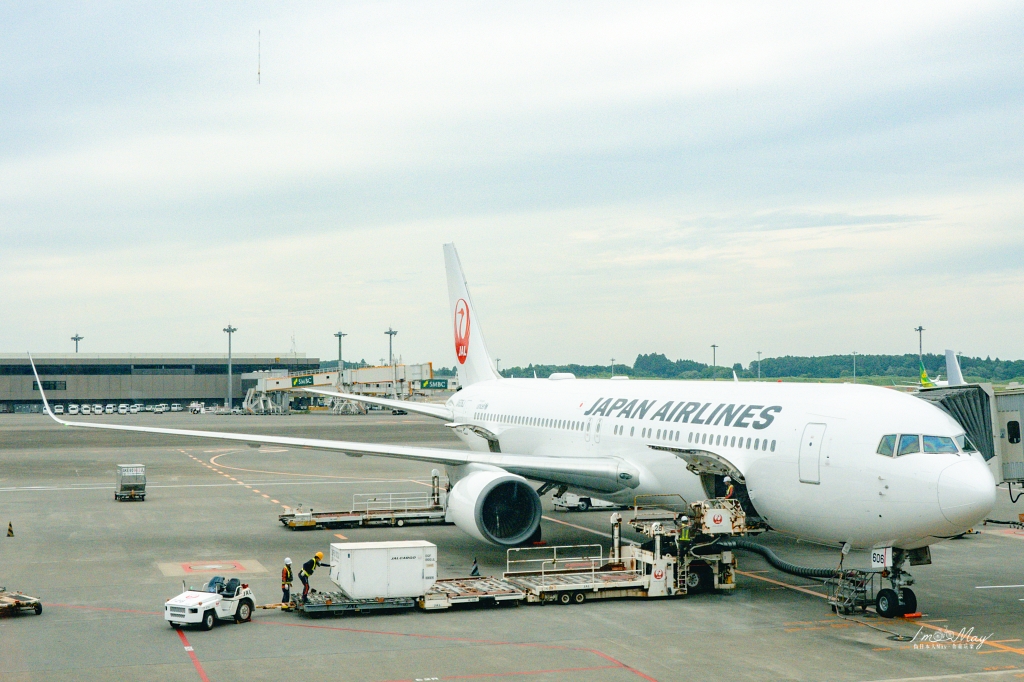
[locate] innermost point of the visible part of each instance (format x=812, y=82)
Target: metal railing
x=393, y=502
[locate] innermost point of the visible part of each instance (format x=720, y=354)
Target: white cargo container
x=372, y=570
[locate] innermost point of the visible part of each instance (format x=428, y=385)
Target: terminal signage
x=302, y=381
x=441, y=384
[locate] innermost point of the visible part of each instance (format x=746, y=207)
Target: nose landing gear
x=900, y=600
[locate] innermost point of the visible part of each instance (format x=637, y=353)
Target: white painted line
x=995, y=587
x=40, y=488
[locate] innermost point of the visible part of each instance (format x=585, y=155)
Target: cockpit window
x=909, y=445
x=886, y=445
x=939, y=444
x=965, y=444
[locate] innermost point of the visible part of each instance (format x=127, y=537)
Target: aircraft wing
x=436, y=411
x=605, y=474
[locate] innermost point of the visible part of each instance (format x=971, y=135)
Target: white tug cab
x=217, y=600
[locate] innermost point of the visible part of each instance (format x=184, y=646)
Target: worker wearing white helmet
x=286, y=581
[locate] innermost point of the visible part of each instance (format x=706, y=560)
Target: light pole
x=759, y=365
x=341, y=365
x=76, y=338
x=854, y=366
x=920, y=344
x=714, y=351
x=394, y=371
x=497, y=362
x=613, y=366
x=230, y=330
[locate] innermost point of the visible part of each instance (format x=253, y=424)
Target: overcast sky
x=619, y=178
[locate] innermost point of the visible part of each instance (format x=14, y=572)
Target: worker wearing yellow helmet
x=307, y=571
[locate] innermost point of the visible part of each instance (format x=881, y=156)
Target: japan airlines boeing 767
x=833, y=463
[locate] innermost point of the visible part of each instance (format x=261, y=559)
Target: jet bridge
x=991, y=419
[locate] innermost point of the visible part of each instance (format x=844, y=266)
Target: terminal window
x=51, y=385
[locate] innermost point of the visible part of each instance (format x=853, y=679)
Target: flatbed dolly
x=14, y=603
x=376, y=509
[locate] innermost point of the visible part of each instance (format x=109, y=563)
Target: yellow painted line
x=787, y=585
x=267, y=496
x=247, y=486
x=275, y=502
x=255, y=491
x=339, y=535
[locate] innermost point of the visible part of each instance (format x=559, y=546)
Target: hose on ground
x=776, y=562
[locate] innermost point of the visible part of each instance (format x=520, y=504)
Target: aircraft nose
x=967, y=493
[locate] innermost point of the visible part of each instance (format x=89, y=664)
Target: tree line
x=658, y=366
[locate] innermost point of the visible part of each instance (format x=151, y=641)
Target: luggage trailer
x=376, y=509
x=679, y=558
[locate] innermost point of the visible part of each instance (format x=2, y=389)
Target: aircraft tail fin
x=473, y=362
x=925, y=381
x=955, y=377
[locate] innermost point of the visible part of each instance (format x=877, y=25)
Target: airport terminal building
x=147, y=378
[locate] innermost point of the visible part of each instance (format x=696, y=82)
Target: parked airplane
x=833, y=463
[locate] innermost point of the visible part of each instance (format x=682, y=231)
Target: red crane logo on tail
x=462, y=330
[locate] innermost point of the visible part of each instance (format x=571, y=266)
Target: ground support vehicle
x=218, y=599
x=13, y=603
x=573, y=502
x=680, y=558
x=376, y=509
x=131, y=482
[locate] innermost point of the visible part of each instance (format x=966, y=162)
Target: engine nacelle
x=495, y=506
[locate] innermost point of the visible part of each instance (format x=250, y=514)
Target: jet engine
x=495, y=506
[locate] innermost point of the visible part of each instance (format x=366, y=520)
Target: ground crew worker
x=730, y=490
x=286, y=581
x=307, y=571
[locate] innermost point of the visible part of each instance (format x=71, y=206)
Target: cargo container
x=131, y=482
x=373, y=570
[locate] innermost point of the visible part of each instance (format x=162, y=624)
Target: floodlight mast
x=714, y=351
x=920, y=344
x=76, y=338
x=230, y=330
x=341, y=364
x=394, y=370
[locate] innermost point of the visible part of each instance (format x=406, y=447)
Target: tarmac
x=104, y=569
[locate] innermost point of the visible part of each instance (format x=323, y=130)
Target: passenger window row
x=620, y=430
x=731, y=441
x=908, y=444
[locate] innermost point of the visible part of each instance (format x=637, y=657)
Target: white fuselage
x=807, y=451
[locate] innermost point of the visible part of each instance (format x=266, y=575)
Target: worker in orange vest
x=286, y=581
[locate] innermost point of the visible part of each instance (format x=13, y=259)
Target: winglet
x=39, y=383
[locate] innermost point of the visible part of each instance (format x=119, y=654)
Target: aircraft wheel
x=909, y=600
x=887, y=603
x=208, y=620
x=565, y=598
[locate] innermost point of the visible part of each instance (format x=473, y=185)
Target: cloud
x=619, y=179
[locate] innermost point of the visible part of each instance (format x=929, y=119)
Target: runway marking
x=192, y=654
x=339, y=535
x=994, y=587
x=275, y=502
